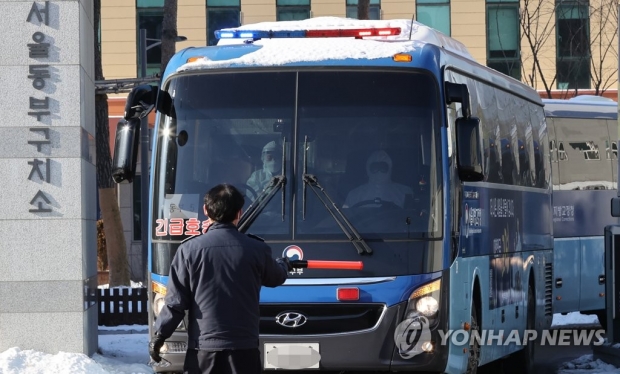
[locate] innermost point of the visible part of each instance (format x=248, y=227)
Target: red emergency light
x=353, y=33
x=315, y=33
x=335, y=265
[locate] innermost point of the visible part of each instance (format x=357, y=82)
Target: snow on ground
x=587, y=365
x=574, y=318
x=129, y=349
x=120, y=353
x=133, y=285
x=132, y=328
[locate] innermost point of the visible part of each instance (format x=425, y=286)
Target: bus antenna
x=411, y=27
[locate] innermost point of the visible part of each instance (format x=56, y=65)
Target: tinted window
x=372, y=140
x=369, y=140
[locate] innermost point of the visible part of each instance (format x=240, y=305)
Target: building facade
x=559, y=47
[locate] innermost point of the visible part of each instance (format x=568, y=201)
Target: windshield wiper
x=313, y=181
x=350, y=231
x=265, y=196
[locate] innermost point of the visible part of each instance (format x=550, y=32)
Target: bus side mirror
x=126, y=150
x=458, y=93
x=164, y=104
x=141, y=101
x=469, y=149
x=615, y=207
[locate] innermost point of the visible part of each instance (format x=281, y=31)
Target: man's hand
x=154, y=347
x=286, y=261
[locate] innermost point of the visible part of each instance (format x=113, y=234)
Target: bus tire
x=602, y=318
x=522, y=362
x=473, y=357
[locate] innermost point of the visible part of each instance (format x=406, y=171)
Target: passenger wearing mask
x=272, y=163
x=380, y=184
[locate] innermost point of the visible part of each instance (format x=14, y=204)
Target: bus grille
x=548, y=289
x=320, y=318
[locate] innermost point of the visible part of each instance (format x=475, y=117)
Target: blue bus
x=584, y=163
x=380, y=142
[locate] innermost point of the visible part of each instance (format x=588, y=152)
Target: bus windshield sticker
x=294, y=253
x=183, y=206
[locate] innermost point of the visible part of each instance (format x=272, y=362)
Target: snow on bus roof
x=278, y=51
x=584, y=106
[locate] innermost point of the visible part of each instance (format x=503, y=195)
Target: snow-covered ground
x=121, y=353
x=123, y=350
x=587, y=365
x=133, y=285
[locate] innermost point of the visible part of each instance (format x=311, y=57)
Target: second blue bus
x=584, y=162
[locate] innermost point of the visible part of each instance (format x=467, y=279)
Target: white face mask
x=379, y=168
x=270, y=166
x=379, y=177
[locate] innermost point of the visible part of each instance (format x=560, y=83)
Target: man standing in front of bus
x=217, y=277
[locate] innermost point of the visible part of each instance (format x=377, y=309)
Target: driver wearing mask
x=272, y=163
x=380, y=184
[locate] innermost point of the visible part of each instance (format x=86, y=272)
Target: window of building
x=573, y=44
x=292, y=10
x=435, y=14
x=149, y=16
x=553, y=150
x=374, y=9
x=613, y=155
x=222, y=14
x=503, y=37
x=562, y=152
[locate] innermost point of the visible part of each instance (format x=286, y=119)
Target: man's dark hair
x=223, y=202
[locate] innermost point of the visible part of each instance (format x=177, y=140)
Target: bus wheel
x=522, y=362
x=474, y=346
x=602, y=318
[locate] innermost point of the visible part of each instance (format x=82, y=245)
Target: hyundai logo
x=291, y=319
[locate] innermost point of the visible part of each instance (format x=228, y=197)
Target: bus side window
x=540, y=176
x=509, y=167
x=493, y=161
x=524, y=163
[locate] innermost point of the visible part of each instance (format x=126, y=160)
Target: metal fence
x=123, y=306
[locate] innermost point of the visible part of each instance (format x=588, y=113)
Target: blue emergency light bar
x=333, y=33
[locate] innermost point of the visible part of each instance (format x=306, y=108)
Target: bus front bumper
x=372, y=349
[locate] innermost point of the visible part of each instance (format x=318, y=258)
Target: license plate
x=291, y=356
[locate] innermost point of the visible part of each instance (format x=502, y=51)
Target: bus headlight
x=427, y=305
x=158, y=304
x=424, y=301
x=159, y=298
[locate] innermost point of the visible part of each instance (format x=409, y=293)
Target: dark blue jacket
x=217, y=277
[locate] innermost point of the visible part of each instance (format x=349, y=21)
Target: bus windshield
x=363, y=145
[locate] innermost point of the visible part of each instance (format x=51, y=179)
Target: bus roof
x=584, y=106
x=410, y=30
x=290, y=45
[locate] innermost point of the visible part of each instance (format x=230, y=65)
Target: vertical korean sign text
x=39, y=104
